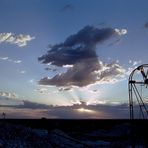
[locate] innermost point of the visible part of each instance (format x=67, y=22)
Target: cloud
x=100, y=111
x=50, y=69
x=8, y=95
x=64, y=89
x=10, y=60
x=78, y=111
x=4, y=58
x=68, y=7
x=41, y=90
x=19, y=40
x=76, y=47
x=146, y=25
x=17, y=61
x=31, y=81
x=15, y=108
x=4, y=36
x=109, y=73
x=33, y=105
x=79, y=50
x=25, y=113
x=116, y=42
x=9, y=98
x=135, y=63
x=121, y=31
x=22, y=71
x=67, y=66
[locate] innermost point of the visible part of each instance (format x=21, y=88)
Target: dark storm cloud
x=77, y=47
x=24, y=104
x=78, y=50
x=81, y=74
x=32, y=105
x=99, y=111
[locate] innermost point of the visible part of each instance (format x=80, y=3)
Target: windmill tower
x=138, y=96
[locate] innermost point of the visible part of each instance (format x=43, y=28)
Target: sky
x=70, y=58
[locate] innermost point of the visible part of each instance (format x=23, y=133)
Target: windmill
x=138, y=85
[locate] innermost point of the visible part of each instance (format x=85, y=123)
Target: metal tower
x=138, y=81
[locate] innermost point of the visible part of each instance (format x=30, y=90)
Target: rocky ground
x=20, y=136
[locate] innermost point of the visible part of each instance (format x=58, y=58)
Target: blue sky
x=110, y=34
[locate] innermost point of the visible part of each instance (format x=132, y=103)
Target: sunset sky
x=57, y=54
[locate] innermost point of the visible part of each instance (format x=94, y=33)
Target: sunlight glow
x=95, y=101
x=83, y=110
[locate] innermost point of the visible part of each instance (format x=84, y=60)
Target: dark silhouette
x=4, y=115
